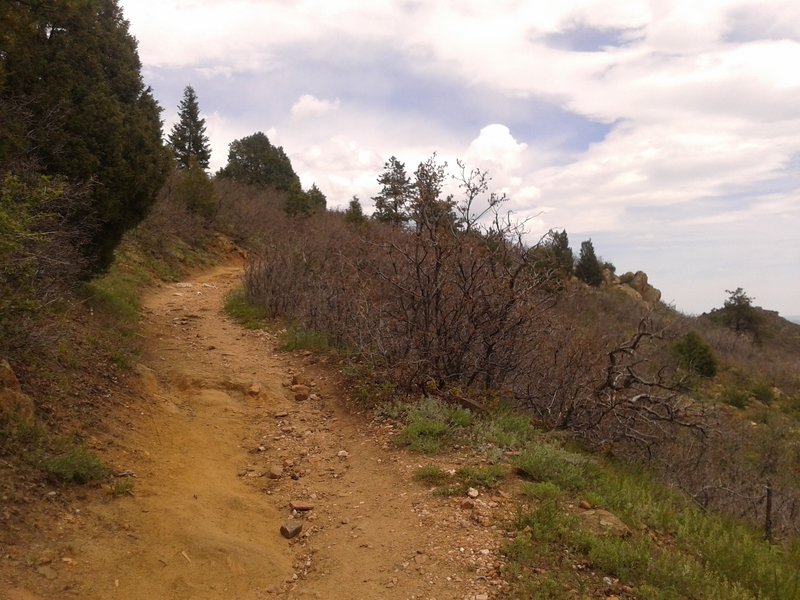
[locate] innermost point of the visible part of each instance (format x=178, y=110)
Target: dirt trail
x=220, y=450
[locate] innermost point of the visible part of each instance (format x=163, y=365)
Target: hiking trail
x=220, y=452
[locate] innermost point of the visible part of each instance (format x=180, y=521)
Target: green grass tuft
x=75, y=465
x=244, y=312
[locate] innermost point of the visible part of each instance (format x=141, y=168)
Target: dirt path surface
x=223, y=456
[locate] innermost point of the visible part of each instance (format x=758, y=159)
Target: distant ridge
x=793, y=319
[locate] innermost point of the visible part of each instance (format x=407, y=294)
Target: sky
x=667, y=132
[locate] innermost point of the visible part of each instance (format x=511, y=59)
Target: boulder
x=603, y=523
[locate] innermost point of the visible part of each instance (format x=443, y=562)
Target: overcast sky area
x=668, y=132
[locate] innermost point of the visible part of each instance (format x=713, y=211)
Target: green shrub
x=565, y=469
x=694, y=355
x=762, y=392
x=735, y=397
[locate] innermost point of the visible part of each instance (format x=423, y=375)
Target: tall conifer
x=188, y=136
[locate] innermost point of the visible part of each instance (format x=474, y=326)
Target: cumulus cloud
x=698, y=101
x=307, y=106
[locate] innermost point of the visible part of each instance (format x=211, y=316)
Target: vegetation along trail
x=224, y=454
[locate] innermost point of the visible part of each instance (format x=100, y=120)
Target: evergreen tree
x=695, y=355
x=196, y=190
x=739, y=314
x=588, y=268
x=354, y=213
x=72, y=102
x=391, y=204
x=188, y=137
x=255, y=161
x=316, y=199
x=302, y=204
x=562, y=253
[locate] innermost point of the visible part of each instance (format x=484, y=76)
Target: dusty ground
x=220, y=451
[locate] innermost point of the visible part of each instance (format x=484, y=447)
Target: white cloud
x=307, y=106
x=701, y=95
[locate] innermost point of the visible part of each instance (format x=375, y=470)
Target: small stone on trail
x=299, y=380
x=290, y=529
x=275, y=472
x=467, y=504
x=48, y=572
x=301, y=506
x=473, y=493
x=255, y=389
x=343, y=454
x=300, y=392
x=280, y=415
x=585, y=505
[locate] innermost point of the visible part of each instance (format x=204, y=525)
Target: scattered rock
x=467, y=504
x=301, y=392
x=47, y=572
x=255, y=389
x=291, y=529
x=343, y=454
x=585, y=505
x=299, y=380
x=280, y=415
x=275, y=472
x=601, y=522
x=473, y=493
x=301, y=506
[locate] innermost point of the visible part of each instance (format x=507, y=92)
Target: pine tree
x=562, y=253
x=188, y=137
x=588, y=268
x=391, y=204
x=354, y=213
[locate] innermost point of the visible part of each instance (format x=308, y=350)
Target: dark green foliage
x=75, y=465
x=195, y=189
x=695, y=355
x=739, y=314
x=40, y=248
x=316, y=199
x=188, y=139
x=354, y=213
x=588, y=268
x=73, y=102
x=255, y=161
x=302, y=204
x=554, y=252
x=392, y=203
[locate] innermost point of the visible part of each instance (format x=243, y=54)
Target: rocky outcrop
x=14, y=403
x=636, y=286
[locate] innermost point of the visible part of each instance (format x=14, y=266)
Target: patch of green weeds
x=296, y=337
x=423, y=435
x=432, y=424
x=117, y=293
x=75, y=465
x=505, y=430
x=247, y=314
x=568, y=470
x=544, y=491
x=431, y=475
x=122, y=486
x=485, y=477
